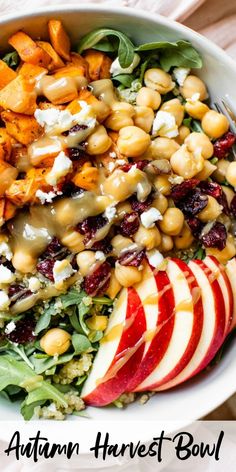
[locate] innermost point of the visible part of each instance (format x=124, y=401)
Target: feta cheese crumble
x=45, y=197
x=110, y=213
x=34, y=284
x=149, y=217
x=164, y=124
x=6, y=275
x=116, y=68
x=4, y=300
x=62, y=270
x=100, y=256
x=10, y=327
x=5, y=250
x=61, y=167
x=195, y=97
x=180, y=74
x=155, y=258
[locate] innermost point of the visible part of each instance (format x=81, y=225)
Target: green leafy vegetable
x=124, y=79
x=183, y=56
x=187, y=122
x=12, y=59
x=45, y=318
x=83, y=311
x=105, y=46
x=42, y=364
x=156, y=45
x=196, y=126
x=200, y=253
x=80, y=343
x=73, y=297
x=125, y=46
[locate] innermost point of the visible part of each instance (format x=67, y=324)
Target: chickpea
x=215, y=124
x=160, y=203
x=127, y=276
x=101, y=110
x=159, y=80
x=196, y=109
x=176, y=108
x=200, y=141
x=114, y=286
x=184, y=131
x=85, y=261
x=167, y=243
x=192, y=85
x=122, y=209
x=149, y=238
x=231, y=174
x=23, y=261
x=97, y=322
x=184, y=238
x=221, y=170
x=120, y=185
x=119, y=243
x=98, y=142
x=162, y=148
x=172, y=223
x=143, y=118
x=207, y=170
x=162, y=184
x=120, y=116
x=211, y=211
x=73, y=240
x=185, y=163
x=227, y=253
x=133, y=141
x=229, y=193
x=55, y=342
x=147, y=97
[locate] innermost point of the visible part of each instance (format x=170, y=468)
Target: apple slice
x=213, y=328
x=120, y=352
x=231, y=273
x=186, y=331
x=160, y=323
x=219, y=270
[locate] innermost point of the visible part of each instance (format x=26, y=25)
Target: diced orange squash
x=19, y=96
x=31, y=71
x=28, y=50
x=79, y=61
x=69, y=71
x=23, y=191
x=25, y=129
x=6, y=74
x=87, y=177
x=99, y=64
x=59, y=39
x=5, y=145
x=56, y=61
x=8, y=174
x=20, y=158
x=9, y=210
x=101, y=110
x=2, y=206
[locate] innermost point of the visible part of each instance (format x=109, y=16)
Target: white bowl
x=201, y=395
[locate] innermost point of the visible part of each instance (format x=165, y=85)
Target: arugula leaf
x=80, y=343
x=45, y=318
x=125, y=46
x=105, y=46
x=12, y=59
x=46, y=363
x=40, y=396
x=196, y=126
x=187, y=122
x=95, y=336
x=103, y=300
x=83, y=310
x=156, y=45
x=73, y=297
x=183, y=56
x=124, y=79
x=27, y=411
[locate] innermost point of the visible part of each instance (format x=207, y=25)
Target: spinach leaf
x=125, y=46
x=80, y=343
x=12, y=59
x=184, y=55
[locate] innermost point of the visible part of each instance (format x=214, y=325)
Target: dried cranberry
x=211, y=188
x=180, y=191
x=97, y=282
x=132, y=258
x=53, y=248
x=45, y=267
x=193, y=203
x=18, y=292
x=140, y=207
x=75, y=129
x=70, y=190
x=104, y=245
x=216, y=237
x=223, y=145
x=130, y=224
x=233, y=206
x=195, y=225
x=23, y=332
x=90, y=226
x=139, y=165
x=222, y=200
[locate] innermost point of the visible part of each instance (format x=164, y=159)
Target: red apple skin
x=109, y=389
x=160, y=342
x=218, y=337
x=230, y=293
x=196, y=330
x=231, y=274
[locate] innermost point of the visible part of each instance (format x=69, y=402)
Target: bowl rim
x=205, y=42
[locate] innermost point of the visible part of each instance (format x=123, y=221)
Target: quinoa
x=73, y=369
x=57, y=412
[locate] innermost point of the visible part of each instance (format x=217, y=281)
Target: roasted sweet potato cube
x=28, y=50
x=59, y=39
x=79, y=61
x=6, y=74
x=8, y=174
x=25, y=129
x=99, y=64
x=22, y=191
x=9, y=210
x=19, y=96
x=86, y=177
x=56, y=61
x=5, y=145
x=31, y=71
